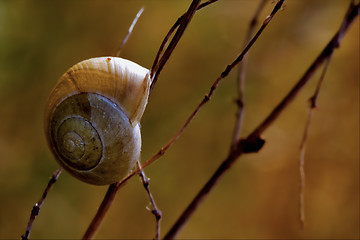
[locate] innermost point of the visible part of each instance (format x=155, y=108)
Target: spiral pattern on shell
x=92, y=118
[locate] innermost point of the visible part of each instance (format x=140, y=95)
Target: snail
x=92, y=118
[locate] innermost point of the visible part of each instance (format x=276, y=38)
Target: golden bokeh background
x=258, y=197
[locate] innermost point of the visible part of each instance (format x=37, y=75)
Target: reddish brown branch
x=334, y=43
x=174, y=41
x=105, y=205
x=253, y=142
x=107, y=201
x=38, y=205
x=155, y=65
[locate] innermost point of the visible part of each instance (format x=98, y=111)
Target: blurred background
x=258, y=197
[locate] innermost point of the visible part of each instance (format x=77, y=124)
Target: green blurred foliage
x=258, y=197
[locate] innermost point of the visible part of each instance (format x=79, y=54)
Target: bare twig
x=334, y=43
x=172, y=29
x=241, y=78
x=38, y=205
x=154, y=74
x=105, y=205
x=131, y=28
x=253, y=142
x=107, y=201
x=313, y=105
x=155, y=211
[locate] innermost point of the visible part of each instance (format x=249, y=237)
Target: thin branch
x=36, y=208
x=334, y=43
x=131, y=28
x=174, y=41
x=241, y=78
x=166, y=39
x=253, y=143
x=155, y=211
x=105, y=205
x=313, y=105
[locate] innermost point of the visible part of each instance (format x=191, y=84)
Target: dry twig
x=38, y=205
x=253, y=142
x=185, y=20
x=313, y=105
x=155, y=66
x=155, y=211
x=241, y=79
x=131, y=28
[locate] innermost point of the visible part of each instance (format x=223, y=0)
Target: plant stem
x=241, y=79
x=38, y=205
x=253, y=142
x=313, y=105
x=131, y=28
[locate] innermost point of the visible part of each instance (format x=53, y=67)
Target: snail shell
x=92, y=118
